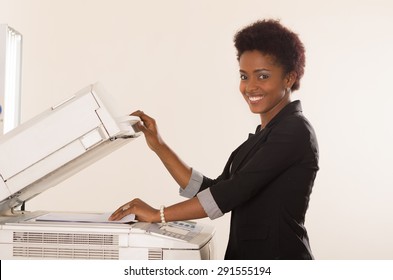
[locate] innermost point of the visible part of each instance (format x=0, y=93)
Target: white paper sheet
x=84, y=218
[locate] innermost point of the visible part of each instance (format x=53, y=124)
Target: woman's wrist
x=156, y=216
x=158, y=145
x=162, y=150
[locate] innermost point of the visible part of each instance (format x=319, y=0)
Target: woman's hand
x=143, y=212
x=149, y=129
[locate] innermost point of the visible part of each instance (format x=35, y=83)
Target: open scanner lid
x=58, y=143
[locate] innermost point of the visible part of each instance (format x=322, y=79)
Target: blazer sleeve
x=285, y=145
x=208, y=182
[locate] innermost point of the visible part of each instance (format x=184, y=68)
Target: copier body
x=53, y=146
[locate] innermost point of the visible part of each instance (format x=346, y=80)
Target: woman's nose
x=251, y=85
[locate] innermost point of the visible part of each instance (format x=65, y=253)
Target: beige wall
x=175, y=60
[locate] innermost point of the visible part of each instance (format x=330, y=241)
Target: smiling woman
x=267, y=181
x=264, y=85
x=272, y=61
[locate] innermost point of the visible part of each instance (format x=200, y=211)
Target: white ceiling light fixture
x=10, y=77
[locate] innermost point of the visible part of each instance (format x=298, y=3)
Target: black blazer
x=267, y=183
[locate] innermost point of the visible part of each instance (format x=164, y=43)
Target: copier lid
x=58, y=143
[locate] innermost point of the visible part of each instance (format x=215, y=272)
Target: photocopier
x=51, y=147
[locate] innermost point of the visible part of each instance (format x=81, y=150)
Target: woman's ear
x=290, y=79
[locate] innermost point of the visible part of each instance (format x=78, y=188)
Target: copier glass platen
x=44, y=151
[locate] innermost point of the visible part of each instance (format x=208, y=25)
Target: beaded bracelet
x=163, y=222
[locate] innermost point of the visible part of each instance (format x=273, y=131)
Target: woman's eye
x=263, y=76
x=243, y=77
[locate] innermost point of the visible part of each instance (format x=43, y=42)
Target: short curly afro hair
x=271, y=38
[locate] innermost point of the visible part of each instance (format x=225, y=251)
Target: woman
x=267, y=180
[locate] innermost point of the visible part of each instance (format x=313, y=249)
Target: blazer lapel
x=242, y=153
x=246, y=148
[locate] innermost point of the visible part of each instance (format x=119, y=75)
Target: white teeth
x=255, y=98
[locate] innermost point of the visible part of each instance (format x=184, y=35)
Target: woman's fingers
x=120, y=212
x=142, y=211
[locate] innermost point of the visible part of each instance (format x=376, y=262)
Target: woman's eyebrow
x=255, y=71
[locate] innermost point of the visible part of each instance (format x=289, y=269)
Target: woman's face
x=263, y=84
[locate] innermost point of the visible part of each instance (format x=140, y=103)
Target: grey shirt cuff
x=209, y=204
x=193, y=185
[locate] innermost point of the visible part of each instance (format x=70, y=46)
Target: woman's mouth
x=255, y=99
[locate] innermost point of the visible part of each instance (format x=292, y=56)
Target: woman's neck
x=268, y=116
